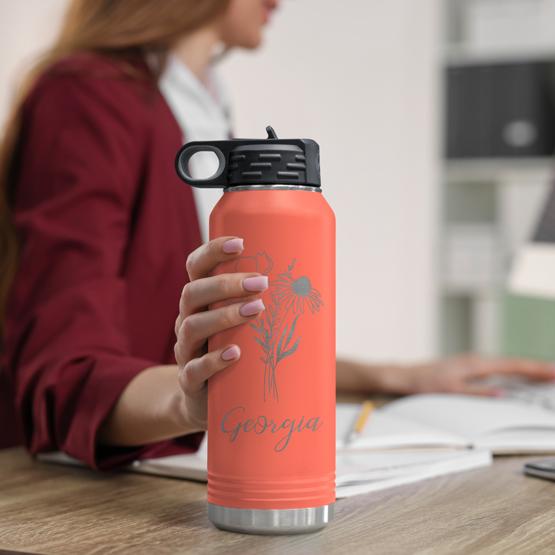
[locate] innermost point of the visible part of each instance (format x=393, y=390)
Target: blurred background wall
x=362, y=79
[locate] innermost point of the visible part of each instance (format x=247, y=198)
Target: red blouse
x=105, y=227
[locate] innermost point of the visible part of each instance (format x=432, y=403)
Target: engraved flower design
x=276, y=329
x=297, y=293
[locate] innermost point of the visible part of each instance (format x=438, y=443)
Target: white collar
x=202, y=116
x=200, y=110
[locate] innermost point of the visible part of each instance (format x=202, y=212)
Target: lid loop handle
x=219, y=178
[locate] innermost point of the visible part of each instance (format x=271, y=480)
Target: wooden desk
x=62, y=510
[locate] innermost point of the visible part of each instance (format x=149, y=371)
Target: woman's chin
x=248, y=42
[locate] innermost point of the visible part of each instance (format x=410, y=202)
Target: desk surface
x=52, y=509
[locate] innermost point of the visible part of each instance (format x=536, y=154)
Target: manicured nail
x=499, y=393
x=231, y=353
x=255, y=283
x=252, y=308
x=232, y=246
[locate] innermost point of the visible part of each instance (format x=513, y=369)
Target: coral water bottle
x=271, y=415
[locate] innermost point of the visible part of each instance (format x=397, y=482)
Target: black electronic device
x=541, y=469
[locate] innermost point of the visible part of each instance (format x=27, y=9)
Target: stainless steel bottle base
x=270, y=521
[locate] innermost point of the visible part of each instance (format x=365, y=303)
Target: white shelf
x=495, y=170
x=462, y=55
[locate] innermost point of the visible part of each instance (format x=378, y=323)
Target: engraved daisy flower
x=297, y=293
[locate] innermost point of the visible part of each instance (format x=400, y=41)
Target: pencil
x=365, y=411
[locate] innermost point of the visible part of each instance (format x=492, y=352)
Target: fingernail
x=252, y=308
x=232, y=246
x=231, y=353
x=499, y=393
x=255, y=283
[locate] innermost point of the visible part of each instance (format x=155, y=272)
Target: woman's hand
x=238, y=298
x=470, y=374
x=153, y=407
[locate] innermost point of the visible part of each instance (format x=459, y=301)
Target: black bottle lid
x=270, y=161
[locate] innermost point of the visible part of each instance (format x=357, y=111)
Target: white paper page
x=369, y=466
x=385, y=431
x=471, y=417
x=187, y=467
x=190, y=466
x=515, y=442
x=454, y=461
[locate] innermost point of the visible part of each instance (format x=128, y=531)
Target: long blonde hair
x=115, y=28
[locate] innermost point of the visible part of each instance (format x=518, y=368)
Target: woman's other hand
x=470, y=374
x=238, y=300
x=466, y=374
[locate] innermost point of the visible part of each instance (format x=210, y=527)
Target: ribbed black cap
x=268, y=161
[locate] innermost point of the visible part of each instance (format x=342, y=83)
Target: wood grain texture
x=60, y=510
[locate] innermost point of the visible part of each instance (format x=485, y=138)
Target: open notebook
x=357, y=472
x=412, y=439
x=394, y=449
x=456, y=421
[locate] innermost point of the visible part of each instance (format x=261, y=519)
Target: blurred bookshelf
x=493, y=188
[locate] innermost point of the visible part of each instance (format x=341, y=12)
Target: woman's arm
x=154, y=407
x=466, y=374
x=151, y=408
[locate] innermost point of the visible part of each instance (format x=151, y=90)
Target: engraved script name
x=234, y=423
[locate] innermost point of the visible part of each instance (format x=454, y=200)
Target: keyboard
x=539, y=394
